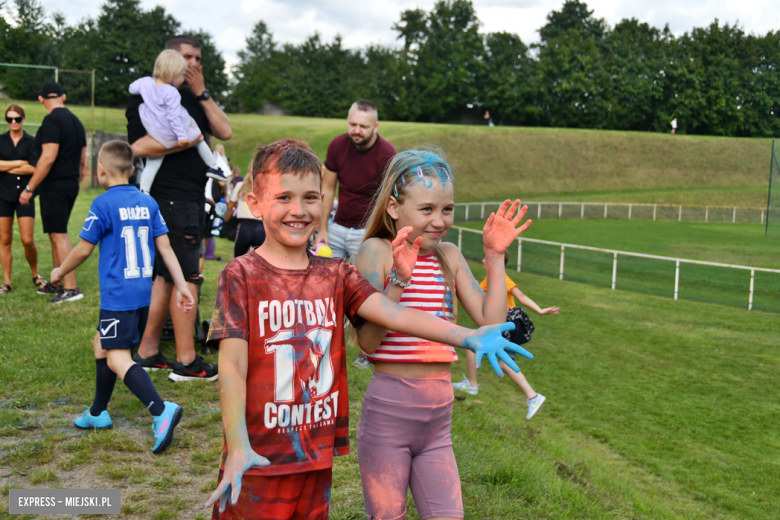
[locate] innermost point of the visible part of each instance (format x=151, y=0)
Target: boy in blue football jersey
x=128, y=226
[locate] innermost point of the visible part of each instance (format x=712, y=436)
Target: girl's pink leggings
x=403, y=440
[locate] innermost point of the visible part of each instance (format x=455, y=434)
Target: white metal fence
x=615, y=254
x=466, y=211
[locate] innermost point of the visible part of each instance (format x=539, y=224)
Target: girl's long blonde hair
x=247, y=185
x=402, y=172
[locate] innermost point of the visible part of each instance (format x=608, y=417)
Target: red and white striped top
x=426, y=294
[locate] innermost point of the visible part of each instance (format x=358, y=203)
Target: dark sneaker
x=216, y=174
x=48, y=288
x=198, y=370
x=68, y=295
x=154, y=363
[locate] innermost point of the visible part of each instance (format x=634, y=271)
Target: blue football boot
x=88, y=422
x=164, y=425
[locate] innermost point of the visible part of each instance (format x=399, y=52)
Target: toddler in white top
x=164, y=118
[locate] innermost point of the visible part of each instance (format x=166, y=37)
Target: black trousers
x=251, y=233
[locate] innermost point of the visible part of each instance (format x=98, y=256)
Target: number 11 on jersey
x=131, y=252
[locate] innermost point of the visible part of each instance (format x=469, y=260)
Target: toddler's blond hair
x=168, y=65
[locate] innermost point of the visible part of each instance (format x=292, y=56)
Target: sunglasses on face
x=10, y=120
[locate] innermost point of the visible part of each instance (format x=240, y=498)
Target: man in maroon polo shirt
x=355, y=163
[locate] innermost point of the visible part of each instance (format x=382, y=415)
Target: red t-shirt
x=297, y=407
x=360, y=175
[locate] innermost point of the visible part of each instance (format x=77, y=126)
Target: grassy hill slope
x=536, y=163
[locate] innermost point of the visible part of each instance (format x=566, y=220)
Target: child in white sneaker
x=521, y=334
x=165, y=119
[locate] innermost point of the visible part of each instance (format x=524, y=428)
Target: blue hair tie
x=395, y=190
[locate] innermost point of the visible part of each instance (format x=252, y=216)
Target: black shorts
x=122, y=329
x=523, y=327
x=186, y=221
x=7, y=209
x=57, y=202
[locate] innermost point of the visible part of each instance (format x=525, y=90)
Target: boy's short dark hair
x=117, y=158
x=177, y=41
x=285, y=156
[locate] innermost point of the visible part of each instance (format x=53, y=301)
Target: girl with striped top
x=403, y=436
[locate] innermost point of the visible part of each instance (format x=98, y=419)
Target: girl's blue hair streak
x=415, y=164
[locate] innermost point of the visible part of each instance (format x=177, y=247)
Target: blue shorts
x=122, y=329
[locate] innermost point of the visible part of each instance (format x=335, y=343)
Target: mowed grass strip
x=656, y=409
x=739, y=244
x=540, y=163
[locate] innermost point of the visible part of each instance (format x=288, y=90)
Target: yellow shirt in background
x=510, y=284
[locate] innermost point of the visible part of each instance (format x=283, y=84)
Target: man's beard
x=363, y=142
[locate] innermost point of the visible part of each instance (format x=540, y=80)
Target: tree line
x=121, y=45
x=583, y=73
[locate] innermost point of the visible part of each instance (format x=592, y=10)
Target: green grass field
x=533, y=163
x=656, y=409
x=739, y=244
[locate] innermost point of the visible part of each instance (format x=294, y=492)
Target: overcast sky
x=369, y=21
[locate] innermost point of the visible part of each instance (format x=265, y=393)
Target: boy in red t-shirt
x=279, y=321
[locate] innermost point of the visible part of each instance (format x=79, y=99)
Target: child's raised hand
x=405, y=255
x=489, y=341
x=501, y=229
x=235, y=466
x=184, y=142
x=184, y=300
x=549, y=310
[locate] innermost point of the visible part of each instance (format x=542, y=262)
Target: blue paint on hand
x=489, y=341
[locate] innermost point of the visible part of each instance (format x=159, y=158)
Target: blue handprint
x=488, y=341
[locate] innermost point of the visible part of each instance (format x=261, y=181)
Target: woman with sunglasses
x=17, y=160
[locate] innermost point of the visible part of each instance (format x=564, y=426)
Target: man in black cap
x=61, y=145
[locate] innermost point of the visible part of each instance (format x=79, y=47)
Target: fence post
x=707, y=214
x=539, y=210
x=676, y=279
x=752, y=279
x=482, y=213
x=614, y=271
x=460, y=240
x=560, y=277
x=560, y=207
x=655, y=207
x=629, y=212
x=762, y=216
x=605, y=209
x=582, y=213
x=519, y=254
x=679, y=219
x=734, y=218
x=467, y=211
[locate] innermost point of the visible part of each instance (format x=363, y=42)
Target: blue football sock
x=139, y=382
x=104, y=387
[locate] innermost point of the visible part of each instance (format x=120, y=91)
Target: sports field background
x=736, y=244
x=533, y=163
x=656, y=409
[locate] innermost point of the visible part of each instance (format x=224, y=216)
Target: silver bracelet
x=393, y=277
